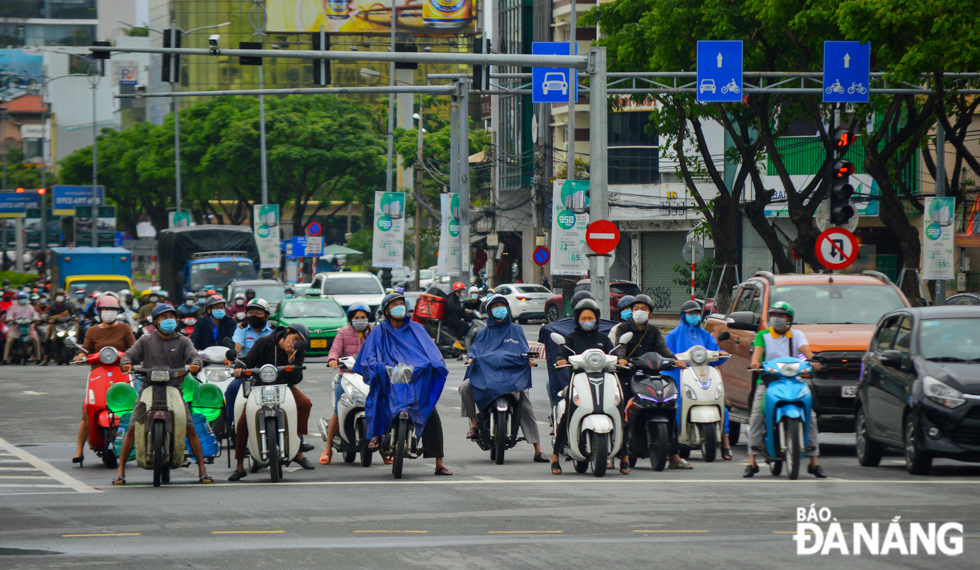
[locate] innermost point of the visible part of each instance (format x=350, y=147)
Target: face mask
x=153, y=299
x=398, y=312
x=587, y=325
x=201, y=301
x=692, y=320
x=60, y=299
x=109, y=317
x=168, y=326
x=21, y=301
x=218, y=314
x=79, y=296
x=189, y=303
x=289, y=295
x=360, y=325
x=257, y=323
x=626, y=314
x=778, y=323
x=239, y=302
x=499, y=313
x=640, y=317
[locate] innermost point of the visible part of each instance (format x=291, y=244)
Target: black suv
x=920, y=387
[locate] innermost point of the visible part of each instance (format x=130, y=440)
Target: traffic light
x=403, y=47
x=20, y=190
x=843, y=139
x=41, y=191
x=171, y=38
x=841, y=190
x=321, y=67
x=481, y=75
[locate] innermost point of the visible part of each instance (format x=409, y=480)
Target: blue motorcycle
x=787, y=414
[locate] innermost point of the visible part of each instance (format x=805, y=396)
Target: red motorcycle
x=102, y=422
x=187, y=325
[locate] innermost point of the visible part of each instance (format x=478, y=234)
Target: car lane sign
x=836, y=248
x=551, y=84
x=719, y=72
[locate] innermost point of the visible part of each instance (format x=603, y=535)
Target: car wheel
x=868, y=451
x=522, y=320
x=917, y=460
x=551, y=313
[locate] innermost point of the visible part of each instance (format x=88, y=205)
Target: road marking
x=18, y=469
x=794, y=532
x=247, y=531
x=391, y=531
x=94, y=535
x=47, y=468
x=30, y=486
x=486, y=478
x=670, y=531
x=525, y=532
x=33, y=393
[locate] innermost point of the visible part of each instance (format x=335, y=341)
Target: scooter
x=64, y=328
x=651, y=413
x=350, y=415
x=22, y=346
x=787, y=414
x=499, y=422
x=187, y=326
x=702, y=402
x=147, y=326
x=431, y=317
x=102, y=422
x=595, y=427
x=160, y=440
x=270, y=411
x=400, y=442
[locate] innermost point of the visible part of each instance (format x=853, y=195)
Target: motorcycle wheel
x=401, y=442
x=599, y=443
x=366, y=454
x=794, y=432
x=709, y=442
x=776, y=468
x=108, y=453
x=157, y=453
x=500, y=438
x=581, y=466
x=734, y=433
x=272, y=445
x=350, y=456
x=659, y=449
x=684, y=451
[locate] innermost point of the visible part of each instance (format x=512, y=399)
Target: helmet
x=304, y=332
x=625, y=302
x=162, y=308
x=163, y=294
x=485, y=307
x=585, y=304
x=645, y=299
x=474, y=291
x=22, y=295
x=188, y=296
x=212, y=292
x=6, y=282
x=690, y=306
x=95, y=294
x=782, y=308
x=581, y=295
x=59, y=292
x=146, y=293
x=289, y=289
x=240, y=296
x=249, y=292
x=259, y=304
x=458, y=285
x=389, y=298
x=214, y=300
x=357, y=307
x=200, y=294
x=35, y=298
x=107, y=301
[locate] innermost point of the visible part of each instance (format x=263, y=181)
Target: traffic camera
x=213, y=43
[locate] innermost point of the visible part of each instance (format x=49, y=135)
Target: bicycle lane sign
x=836, y=248
x=846, y=72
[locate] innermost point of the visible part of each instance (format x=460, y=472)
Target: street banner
x=13, y=205
x=67, y=198
x=937, y=239
x=450, y=245
x=179, y=219
x=389, y=229
x=265, y=224
x=569, y=221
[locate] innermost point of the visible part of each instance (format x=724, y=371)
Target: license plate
x=318, y=343
x=848, y=391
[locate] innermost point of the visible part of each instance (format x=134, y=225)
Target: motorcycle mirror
x=626, y=338
x=559, y=339
x=228, y=343
x=301, y=345
x=231, y=355
x=724, y=336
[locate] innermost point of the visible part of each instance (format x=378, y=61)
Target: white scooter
x=350, y=415
x=702, y=401
x=595, y=428
x=271, y=416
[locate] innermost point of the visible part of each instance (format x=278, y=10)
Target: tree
x=19, y=173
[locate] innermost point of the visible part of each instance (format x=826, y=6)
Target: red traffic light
x=41, y=191
x=843, y=169
x=20, y=190
x=843, y=139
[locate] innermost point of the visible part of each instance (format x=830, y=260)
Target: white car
x=526, y=300
x=707, y=85
x=348, y=288
x=554, y=81
x=426, y=278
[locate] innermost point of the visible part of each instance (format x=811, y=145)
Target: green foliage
x=18, y=279
x=19, y=174
x=702, y=274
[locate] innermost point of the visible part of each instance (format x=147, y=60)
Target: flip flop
x=680, y=465
x=624, y=467
x=443, y=471
x=326, y=457
x=205, y=480
x=556, y=468
x=119, y=481
x=726, y=454
x=374, y=443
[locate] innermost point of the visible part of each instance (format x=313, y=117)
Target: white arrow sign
x=719, y=59
x=847, y=60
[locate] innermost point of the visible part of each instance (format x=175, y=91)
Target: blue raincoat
x=386, y=348
x=681, y=340
x=558, y=380
x=498, y=364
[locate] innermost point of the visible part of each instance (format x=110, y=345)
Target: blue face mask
x=218, y=314
x=79, y=296
x=499, y=313
x=587, y=325
x=168, y=325
x=289, y=295
x=693, y=320
x=201, y=301
x=398, y=312
x=627, y=314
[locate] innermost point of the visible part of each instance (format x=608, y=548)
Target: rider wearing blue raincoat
x=688, y=334
x=405, y=372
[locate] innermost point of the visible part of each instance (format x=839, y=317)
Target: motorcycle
x=429, y=312
x=595, y=427
x=787, y=414
x=22, y=347
x=499, y=422
x=270, y=411
x=703, y=402
x=147, y=326
x=64, y=329
x=215, y=372
x=186, y=326
x=160, y=440
x=129, y=317
x=350, y=415
x=651, y=414
x=102, y=422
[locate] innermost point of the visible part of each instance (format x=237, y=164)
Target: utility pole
x=598, y=173
x=567, y=285
x=492, y=243
x=173, y=85
x=389, y=170
x=94, y=81
x=419, y=192
x=940, y=193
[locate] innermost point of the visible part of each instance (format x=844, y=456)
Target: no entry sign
x=541, y=255
x=836, y=248
x=602, y=236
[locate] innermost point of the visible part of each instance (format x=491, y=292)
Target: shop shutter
x=660, y=251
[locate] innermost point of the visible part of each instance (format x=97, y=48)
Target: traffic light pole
x=598, y=171
x=940, y=193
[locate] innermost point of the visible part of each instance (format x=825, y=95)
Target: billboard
x=17, y=66
x=420, y=17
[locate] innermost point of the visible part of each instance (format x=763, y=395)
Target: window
x=744, y=300
x=903, y=336
x=834, y=303
x=886, y=334
x=217, y=274
x=533, y=289
x=503, y=290
x=352, y=286
x=634, y=154
x=625, y=289
x=950, y=340
x=319, y=308
x=581, y=286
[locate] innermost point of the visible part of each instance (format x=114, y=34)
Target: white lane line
x=29, y=485
x=19, y=469
x=47, y=468
x=570, y=481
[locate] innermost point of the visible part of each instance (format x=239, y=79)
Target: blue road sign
x=13, y=204
x=846, y=72
x=67, y=198
x=550, y=84
x=719, y=72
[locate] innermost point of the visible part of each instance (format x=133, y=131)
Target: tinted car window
x=581, y=287
x=837, y=303
x=625, y=289
x=352, y=286
x=319, y=308
x=950, y=339
x=746, y=299
x=503, y=290
x=962, y=300
x=886, y=334
x=534, y=289
x=903, y=335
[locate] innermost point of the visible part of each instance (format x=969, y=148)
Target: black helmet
x=249, y=292
x=582, y=295
x=304, y=332
x=289, y=289
x=188, y=296
x=389, y=298
x=646, y=300
x=625, y=302
x=162, y=308
x=690, y=306
x=585, y=304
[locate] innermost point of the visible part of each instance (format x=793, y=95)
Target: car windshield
x=425, y=274
x=313, y=308
x=533, y=289
x=272, y=292
x=217, y=274
x=352, y=286
x=833, y=303
x=950, y=339
x=99, y=285
x=624, y=289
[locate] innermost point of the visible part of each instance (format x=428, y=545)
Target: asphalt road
x=53, y=514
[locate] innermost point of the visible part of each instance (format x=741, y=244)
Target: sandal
x=205, y=479
x=443, y=471
x=374, y=443
x=556, y=468
x=726, y=454
x=682, y=464
x=119, y=481
x=624, y=467
x=326, y=457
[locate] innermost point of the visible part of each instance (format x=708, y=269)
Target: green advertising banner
x=389, y=229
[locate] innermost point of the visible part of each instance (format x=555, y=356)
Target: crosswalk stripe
x=45, y=468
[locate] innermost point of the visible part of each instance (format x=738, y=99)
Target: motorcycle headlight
x=270, y=396
x=268, y=373
x=71, y=333
x=595, y=359
x=108, y=355
x=942, y=393
x=215, y=374
x=353, y=394
x=699, y=355
x=60, y=334
x=789, y=369
x=719, y=392
x=689, y=393
x=159, y=376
